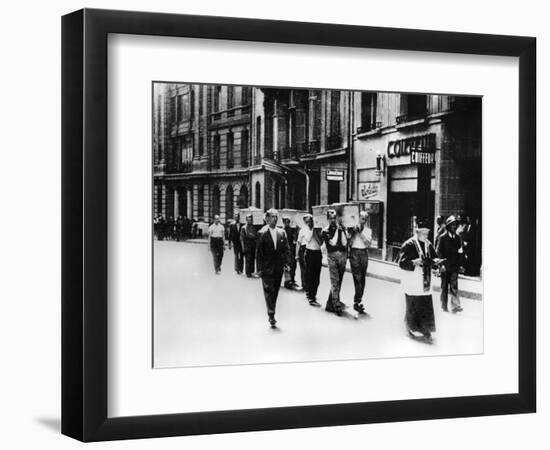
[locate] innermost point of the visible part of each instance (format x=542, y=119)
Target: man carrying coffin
x=417, y=258
x=336, y=241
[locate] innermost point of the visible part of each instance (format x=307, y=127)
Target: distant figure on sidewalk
x=235, y=243
x=440, y=229
x=249, y=236
x=336, y=241
x=290, y=274
x=216, y=245
x=449, y=250
x=417, y=257
x=271, y=259
x=359, y=259
x=311, y=240
x=300, y=251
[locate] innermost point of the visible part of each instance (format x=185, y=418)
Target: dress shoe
x=359, y=308
x=314, y=303
x=272, y=322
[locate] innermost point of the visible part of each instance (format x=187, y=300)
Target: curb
x=466, y=294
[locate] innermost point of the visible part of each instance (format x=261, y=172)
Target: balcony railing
x=408, y=118
x=290, y=153
x=159, y=169
x=314, y=147
x=334, y=141
x=364, y=128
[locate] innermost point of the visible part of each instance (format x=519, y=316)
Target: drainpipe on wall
x=304, y=172
x=350, y=147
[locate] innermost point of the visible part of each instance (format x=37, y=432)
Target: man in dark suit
x=235, y=243
x=449, y=248
x=249, y=236
x=271, y=260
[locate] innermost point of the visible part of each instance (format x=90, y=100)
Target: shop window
x=333, y=192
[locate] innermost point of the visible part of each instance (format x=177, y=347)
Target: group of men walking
x=277, y=252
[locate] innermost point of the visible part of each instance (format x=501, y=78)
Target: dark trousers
x=359, y=261
x=239, y=258
x=271, y=285
x=313, y=262
x=250, y=257
x=449, y=285
x=216, y=248
x=337, y=268
x=291, y=274
x=302, y=264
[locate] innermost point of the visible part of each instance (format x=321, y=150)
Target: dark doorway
x=333, y=192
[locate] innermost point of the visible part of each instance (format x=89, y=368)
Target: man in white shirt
x=216, y=244
x=310, y=239
x=359, y=259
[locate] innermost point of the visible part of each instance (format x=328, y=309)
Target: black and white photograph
x=304, y=224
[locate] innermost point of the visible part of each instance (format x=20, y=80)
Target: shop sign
x=419, y=157
x=335, y=175
x=368, y=190
x=405, y=147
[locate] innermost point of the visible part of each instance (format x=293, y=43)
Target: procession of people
x=274, y=254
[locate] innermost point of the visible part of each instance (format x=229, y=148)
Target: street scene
x=202, y=319
x=314, y=224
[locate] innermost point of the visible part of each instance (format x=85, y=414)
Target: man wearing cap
x=359, y=259
x=417, y=257
x=235, y=242
x=249, y=236
x=310, y=239
x=290, y=277
x=216, y=245
x=336, y=240
x=449, y=249
x=271, y=259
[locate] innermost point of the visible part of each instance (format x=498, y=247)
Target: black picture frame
x=84, y=224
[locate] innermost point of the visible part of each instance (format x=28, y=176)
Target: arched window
x=243, y=197
x=229, y=203
x=257, y=195
x=215, y=201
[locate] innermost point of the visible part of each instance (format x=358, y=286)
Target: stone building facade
x=218, y=148
x=416, y=155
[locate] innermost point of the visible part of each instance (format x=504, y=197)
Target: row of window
x=184, y=102
x=186, y=150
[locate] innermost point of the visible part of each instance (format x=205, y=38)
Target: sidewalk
x=469, y=287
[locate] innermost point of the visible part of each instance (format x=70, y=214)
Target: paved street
x=205, y=319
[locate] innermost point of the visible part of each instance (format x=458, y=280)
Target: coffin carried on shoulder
x=348, y=211
x=295, y=216
x=257, y=215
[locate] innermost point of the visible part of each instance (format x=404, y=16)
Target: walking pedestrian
x=417, y=257
x=313, y=258
x=300, y=251
x=216, y=245
x=249, y=236
x=336, y=240
x=290, y=274
x=448, y=249
x=272, y=259
x=359, y=259
x=235, y=242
